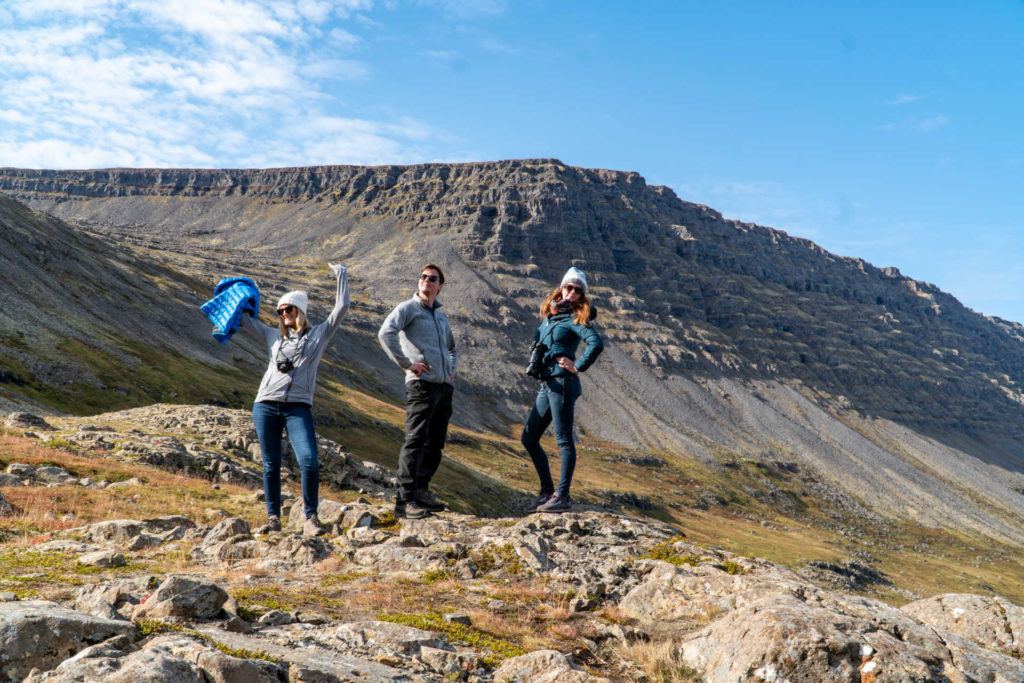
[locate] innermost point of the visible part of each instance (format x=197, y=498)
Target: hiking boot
x=428, y=500
x=556, y=503
x=410, y=510
x=273, y=525
x=312, y=527
x=539, y=500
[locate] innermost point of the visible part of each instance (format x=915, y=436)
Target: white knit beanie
x=298, y=299
x=575, y=276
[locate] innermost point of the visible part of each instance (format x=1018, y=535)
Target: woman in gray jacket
x=285, y=396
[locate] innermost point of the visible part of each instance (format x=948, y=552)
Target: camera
x=535, y=366
x=285, y=365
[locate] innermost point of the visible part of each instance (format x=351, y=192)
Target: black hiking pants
x=428, y=407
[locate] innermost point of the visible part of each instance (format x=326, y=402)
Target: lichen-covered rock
x=215, y=666
x=684, y=593
x=386, y=637
x=543, y=666
x=834, y=638
x=183, y=597
x=23, y=420
x=225, y=529
x=115, y=599
x=102, y=558
x=37, y=634
x=143, y=666
x=296, y=551
x=992, y=622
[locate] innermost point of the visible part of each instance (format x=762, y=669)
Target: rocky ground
x=200, y=593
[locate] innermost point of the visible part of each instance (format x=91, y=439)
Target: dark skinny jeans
x=271, y=418
x=555, y=405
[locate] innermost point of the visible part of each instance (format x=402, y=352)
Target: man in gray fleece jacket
x=416, y=335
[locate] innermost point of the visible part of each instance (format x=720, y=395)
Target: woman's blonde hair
x=301, y=323
x=580, y=309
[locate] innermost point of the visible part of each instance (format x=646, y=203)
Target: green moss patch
x=29, y=571
x=666, y=552
x=499, y=649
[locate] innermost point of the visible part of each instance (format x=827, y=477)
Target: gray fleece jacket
x=304, y=351
x=414, y=333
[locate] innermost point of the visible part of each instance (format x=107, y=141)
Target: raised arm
x=388, y=336
x=595, y=345
x=341, y=302
x=267, y=333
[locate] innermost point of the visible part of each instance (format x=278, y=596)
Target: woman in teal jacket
x=566, y=321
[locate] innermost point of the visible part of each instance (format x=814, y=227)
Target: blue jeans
x=271, y=418
x=555, y=406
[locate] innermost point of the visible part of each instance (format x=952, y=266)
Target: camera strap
x=551, y=331
x=300, y=347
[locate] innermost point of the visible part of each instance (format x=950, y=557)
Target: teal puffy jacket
x=562, y=336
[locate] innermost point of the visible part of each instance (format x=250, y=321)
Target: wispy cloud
x=922, y=124
x=773, y=204
x=469, y=8
x=87, y=83
x=933, y=122
x=904, y=99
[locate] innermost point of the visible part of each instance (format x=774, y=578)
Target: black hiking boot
x=428, y=500
x=410, y=510
x=556, y=504
x=539, y=500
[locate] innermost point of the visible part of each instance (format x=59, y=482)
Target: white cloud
x=905, y=99
x=933, y=122
x=469, y=8
x=922, y=124
x=86, y=83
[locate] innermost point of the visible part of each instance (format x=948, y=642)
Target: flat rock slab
x=102, y=558
x=991, y=622
x=143, y=666
x=312, y=663
x=389, y=637
x=543, y=666
x=37, y=634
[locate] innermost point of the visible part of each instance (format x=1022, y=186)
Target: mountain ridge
x=726, y=340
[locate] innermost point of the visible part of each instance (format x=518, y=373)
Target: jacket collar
x=417, y=299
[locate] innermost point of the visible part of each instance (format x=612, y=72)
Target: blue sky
x=889, y=131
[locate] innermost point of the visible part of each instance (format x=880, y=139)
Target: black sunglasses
x=429, y=278
x=285, y=309
x=573, y=288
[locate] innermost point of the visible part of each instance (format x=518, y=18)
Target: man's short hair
x=431, y=266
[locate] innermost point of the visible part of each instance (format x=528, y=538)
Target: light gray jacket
x=414, y=333
x=304, y=351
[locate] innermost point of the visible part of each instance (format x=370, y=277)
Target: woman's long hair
x=580, y=309
x=301, y=323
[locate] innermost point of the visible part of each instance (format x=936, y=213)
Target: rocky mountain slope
x=728, y=341
x=132, y=555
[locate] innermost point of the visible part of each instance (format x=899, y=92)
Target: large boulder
x=835, y=638
x=225, y=529
x=22, y=421
x=183, y=597
x=543, y=666
x=143, y=666
x=216, y=666
x=992, y=622
x=680, y=595
x=387, y=637
x=37, y=634
x=113, y=600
